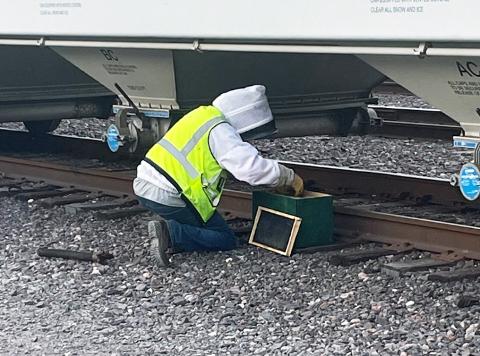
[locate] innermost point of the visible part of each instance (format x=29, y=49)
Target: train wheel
x=41, y=127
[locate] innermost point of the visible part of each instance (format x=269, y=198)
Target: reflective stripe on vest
x=184, y=155
x=202, y=130
x=180, y=157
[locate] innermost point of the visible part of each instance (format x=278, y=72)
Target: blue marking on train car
x=112, y=138
x=157, y=113
x=464, y=143
x=469, y=181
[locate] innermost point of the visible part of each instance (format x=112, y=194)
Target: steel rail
x=418, y=123
x=341, y=180
x=456, y=240
x=82, y=178
x=408, y=232
x=350, y=221
x=335, y=180
x=397, y=129
x=18, y=141
x=415, y=115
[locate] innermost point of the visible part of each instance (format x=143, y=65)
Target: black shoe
x=159, y=242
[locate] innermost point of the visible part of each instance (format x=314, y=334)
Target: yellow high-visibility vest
x=183, y=156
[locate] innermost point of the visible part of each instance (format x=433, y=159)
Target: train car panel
x=146, y=75
x=373, y=20
x=451, y=84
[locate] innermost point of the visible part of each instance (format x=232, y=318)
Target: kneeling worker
x=182, y=176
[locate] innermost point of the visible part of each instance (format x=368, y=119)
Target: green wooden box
x=315, y=209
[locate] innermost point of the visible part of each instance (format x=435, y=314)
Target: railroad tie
x=465, y=301
x=358, y=256
x=74, y=198
x=459, y=274
x=338, y=245
x=76, y=208
x=397, y=269
x=15, y=190
x=11, y=182
x=120, y=213
x=45, y=194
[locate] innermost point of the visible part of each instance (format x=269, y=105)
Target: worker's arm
x=244, y=162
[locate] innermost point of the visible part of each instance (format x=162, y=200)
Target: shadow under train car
x=40, y=88
x=310, y=94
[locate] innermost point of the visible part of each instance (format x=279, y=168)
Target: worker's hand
x=297, y=186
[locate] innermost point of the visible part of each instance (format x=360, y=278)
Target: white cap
x=245, y=109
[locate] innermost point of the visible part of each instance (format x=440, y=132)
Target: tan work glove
x=295, y=188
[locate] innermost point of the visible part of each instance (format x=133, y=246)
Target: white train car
x=163, y=52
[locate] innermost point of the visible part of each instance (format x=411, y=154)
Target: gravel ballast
x=422, y=157
x=246, y=301
x=242, y=302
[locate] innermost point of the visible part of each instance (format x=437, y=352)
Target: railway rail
x=360, y=198
x=390, y=87
x=414, y=122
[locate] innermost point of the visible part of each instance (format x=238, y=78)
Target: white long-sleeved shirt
x=239, y=158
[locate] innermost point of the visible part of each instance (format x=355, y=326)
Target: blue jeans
x=188, y=234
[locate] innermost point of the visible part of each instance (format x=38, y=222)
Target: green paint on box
x=315, y=209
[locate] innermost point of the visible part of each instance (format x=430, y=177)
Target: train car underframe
x=40, y=88
x=326, y=93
